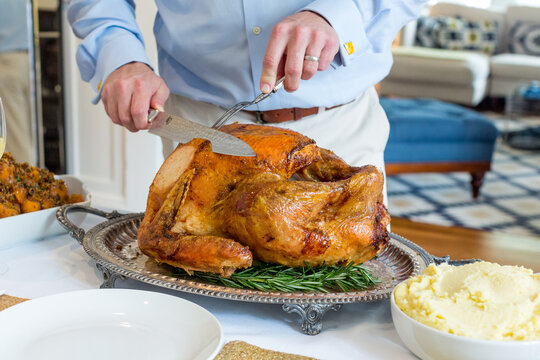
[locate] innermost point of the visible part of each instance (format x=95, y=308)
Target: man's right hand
x=130, y=91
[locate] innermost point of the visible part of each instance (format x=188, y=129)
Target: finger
x=124, y=120
x=131, y=128
x=281, y=67
x=160, y=97
x=123, y=99
x=313, y=49
x=106, y=104
x=128, y=125
x=296, y=51
x=110, y=106
x=140, y=104
x=328, y=53
x=273, y=55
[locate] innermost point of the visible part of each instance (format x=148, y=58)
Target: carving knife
x=182, y=130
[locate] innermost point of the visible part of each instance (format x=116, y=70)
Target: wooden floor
x=462, y=243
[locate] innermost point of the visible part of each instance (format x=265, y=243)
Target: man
x=15, y=79
x=213, y=54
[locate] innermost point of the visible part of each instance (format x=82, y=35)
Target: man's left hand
x=303, y=34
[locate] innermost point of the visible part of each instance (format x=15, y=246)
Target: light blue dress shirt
x=212, y=51
x=14, y=25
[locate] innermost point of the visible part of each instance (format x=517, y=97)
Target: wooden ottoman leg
x=477, y=179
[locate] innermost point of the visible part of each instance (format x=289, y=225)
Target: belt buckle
x=258, y=117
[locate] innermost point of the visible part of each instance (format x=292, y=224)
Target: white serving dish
x=36, y=225
x=431, y=344
x=109, y=324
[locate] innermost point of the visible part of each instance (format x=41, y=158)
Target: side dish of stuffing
x=25, y=188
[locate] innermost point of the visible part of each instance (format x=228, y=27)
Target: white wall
x=503, y=4
x=499, y=5
x=47, y=4
x=116, y=165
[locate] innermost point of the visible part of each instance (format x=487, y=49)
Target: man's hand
x=298, y=35
x=129, y=92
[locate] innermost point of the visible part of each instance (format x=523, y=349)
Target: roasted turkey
x=292, y=204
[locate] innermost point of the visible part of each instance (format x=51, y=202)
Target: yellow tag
x=349, y=47
x=99, y=86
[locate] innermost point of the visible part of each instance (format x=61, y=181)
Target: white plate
x=109, y=324
x=39, y=224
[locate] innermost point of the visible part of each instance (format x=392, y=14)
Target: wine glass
x=3, y=266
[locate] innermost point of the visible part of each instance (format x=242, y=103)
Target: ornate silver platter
x=113, y=245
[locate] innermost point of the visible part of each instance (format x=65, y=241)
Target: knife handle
x=152, y=115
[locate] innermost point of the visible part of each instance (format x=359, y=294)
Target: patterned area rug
x=509, y=199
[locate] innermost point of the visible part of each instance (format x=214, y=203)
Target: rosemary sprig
x=271, y=277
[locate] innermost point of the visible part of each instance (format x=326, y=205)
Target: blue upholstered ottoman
x=428, y=135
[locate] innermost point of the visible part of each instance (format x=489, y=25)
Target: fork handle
x=241, y=106
x=278, y=85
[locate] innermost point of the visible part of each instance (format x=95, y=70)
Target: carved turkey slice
x=293, y=203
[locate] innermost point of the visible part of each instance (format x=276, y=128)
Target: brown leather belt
x=283, y=115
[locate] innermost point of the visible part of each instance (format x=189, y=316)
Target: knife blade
x=182, y=130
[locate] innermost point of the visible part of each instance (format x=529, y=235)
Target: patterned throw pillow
x=525, y=38
x=456, y=33
x=427, y=32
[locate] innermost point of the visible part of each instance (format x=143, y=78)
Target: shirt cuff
x=346, y=19
x=122, y=47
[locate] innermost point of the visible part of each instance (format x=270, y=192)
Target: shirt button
x=256, y=30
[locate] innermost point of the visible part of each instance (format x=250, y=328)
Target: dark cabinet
x=52, y=96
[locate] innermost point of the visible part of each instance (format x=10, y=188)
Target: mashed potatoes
x=480, y=300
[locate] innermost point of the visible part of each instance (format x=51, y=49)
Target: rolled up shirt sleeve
x=365, y=26
x=110, y=38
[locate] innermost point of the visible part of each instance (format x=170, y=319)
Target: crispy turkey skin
x=293, y=203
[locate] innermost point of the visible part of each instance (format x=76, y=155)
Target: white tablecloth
x=358, y=331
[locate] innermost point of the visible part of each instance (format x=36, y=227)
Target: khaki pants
x=357, y=132
x=15, y=94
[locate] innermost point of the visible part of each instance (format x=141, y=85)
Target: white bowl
x=431, y=344
x=36, y=225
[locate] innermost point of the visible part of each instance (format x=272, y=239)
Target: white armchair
x=463, y=77
x=507, y=69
